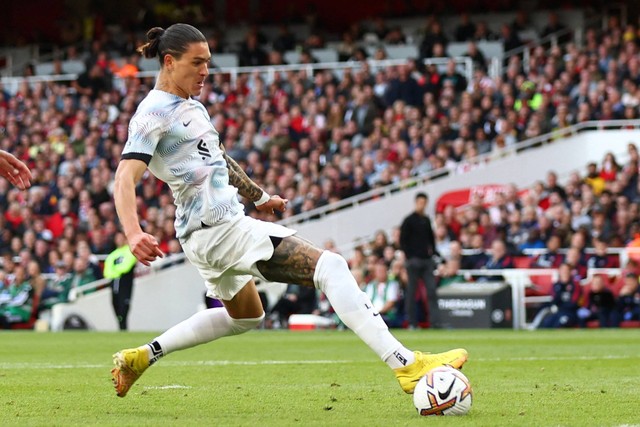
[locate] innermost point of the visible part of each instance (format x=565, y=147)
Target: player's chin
x=197, y=90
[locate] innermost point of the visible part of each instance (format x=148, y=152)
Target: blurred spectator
x=16, y=300
x=94, y=81
x=385, y=295
x=80, y=275
x=593, y=179
x=601, y=258
x=475, y=256
x=285, y=40
x=476, y=55
x=465, y=29
x=600, y=304
x=554, y=26
x=448, y=273
x=402, y=86
x=295, y=300
x=564, y=304
x=610, y=168
x=251, y=54
x=452, y=76
x=628, y=302
x=499, y=260
x=434, y=35
x=57, y=288
x=484, y=33
x=347, y=47
x=509, y=38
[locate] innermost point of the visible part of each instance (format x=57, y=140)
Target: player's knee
x=329, y=265
x=240, y=326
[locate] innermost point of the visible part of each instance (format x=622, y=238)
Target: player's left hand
x=275, y=203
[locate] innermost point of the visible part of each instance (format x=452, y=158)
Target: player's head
x=184, y=57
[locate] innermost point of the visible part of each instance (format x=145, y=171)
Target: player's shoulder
x=158, y=103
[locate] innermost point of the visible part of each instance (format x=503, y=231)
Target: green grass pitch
x=320, y=378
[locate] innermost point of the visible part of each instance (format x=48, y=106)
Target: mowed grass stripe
x=199, y=363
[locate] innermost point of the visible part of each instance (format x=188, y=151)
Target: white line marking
x=166, y=387
x=21, y=365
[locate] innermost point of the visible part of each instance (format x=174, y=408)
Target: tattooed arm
x=239, y=179
x=250, y=190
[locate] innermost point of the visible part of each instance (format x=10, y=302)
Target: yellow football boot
x=408, y=376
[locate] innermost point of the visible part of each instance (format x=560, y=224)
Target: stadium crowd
x=316, y=139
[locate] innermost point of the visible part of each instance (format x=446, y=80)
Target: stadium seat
x=522, y=261
x=44, y=68
x=149, y=64
x=74, y=66
x=224, y=60
x=489, y=49
x=401, y=52
x=541, y=284
x=630, y=324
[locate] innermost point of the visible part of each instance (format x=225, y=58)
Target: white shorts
x=225, y=254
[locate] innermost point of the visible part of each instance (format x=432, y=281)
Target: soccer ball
x=443, y=391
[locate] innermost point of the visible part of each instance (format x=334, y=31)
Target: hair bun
x=155, y=33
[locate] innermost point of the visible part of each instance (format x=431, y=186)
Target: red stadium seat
x=630, y=324
x=522, y=262
x=542, y=284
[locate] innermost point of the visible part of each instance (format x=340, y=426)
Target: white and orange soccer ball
x=443, y=391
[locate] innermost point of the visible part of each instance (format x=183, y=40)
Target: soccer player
x=171, y=134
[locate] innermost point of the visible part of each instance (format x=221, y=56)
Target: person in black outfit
x=600, y=305
x=628, y=303
x=565, y=295
x=418, y=243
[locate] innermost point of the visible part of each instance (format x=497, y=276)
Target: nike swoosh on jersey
x=185, y=124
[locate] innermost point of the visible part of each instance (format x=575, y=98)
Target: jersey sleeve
x=145, y=132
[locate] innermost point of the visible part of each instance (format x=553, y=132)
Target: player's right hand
x=145, y=248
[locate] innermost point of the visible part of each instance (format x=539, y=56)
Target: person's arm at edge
x=14, y=170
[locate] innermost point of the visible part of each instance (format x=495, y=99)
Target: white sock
x=202, y=327
x=332, y=276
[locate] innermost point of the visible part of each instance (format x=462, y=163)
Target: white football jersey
x=175, y=138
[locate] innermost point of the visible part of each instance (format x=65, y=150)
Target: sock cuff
x=239, y=326
x=249, y=319
x=155, y=352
